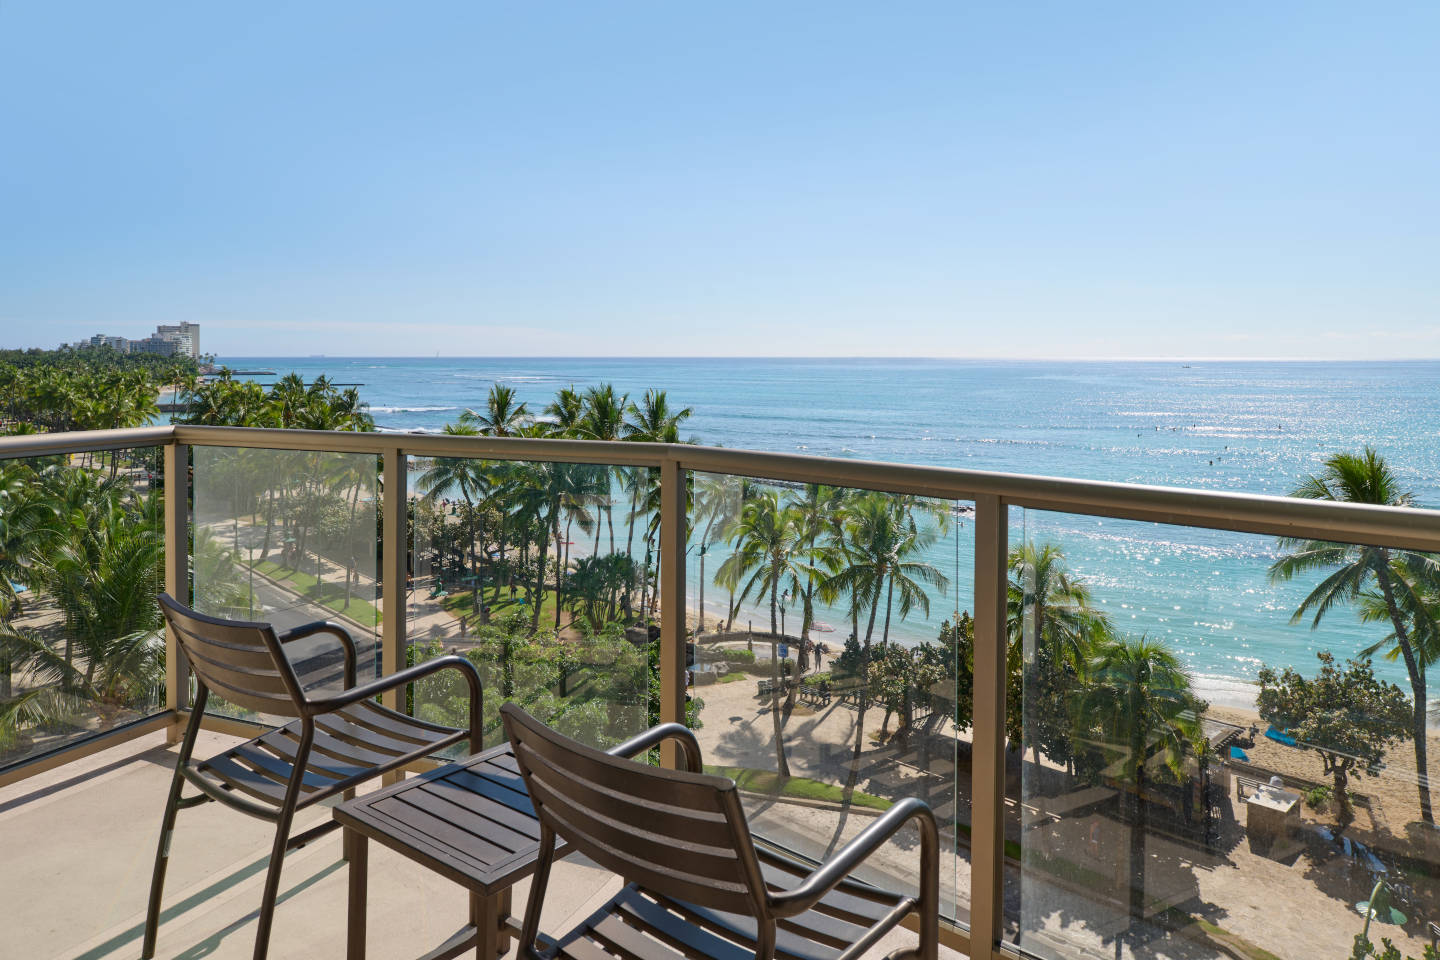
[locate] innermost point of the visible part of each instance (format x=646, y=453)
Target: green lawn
x=458, y=603
x=767, y=781
x=331, y=595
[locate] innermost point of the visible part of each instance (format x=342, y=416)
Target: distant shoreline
x=870, y=358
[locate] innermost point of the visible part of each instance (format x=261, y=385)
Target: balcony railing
x=1107, y=833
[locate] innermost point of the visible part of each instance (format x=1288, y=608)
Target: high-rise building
x=155, y=344
x=168, y=340
x=114, y=343
x=185, y=335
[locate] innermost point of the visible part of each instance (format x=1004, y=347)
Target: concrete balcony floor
x=79, y=843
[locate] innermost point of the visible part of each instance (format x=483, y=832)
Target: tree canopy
x=1343, y=713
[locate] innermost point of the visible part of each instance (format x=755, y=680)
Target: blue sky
x=780, y=179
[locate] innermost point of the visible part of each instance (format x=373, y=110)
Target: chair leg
x=162, y=860
x=272, y=883
x=282, y=840
x=167, y=823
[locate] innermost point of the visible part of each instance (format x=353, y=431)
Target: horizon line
x=711, y=356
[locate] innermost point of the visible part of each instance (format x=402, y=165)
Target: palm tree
x=1056, y=604
x=817, y=513
x=717, y=504
x=580, y=486
x=603, y=418
x=288, y=399
x=502, y=416
x=103, y=576
x=652, y=420
x=1052, y=631
x=28, y=521
x=1396, y=575
x=880, y=537
x=470, y=479
x=1139, y=700
x=764, y=537
x=566, y=410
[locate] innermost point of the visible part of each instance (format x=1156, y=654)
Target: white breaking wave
x=411, y=409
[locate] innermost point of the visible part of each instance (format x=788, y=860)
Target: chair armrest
x=665, y=731
x=339, y=632
x=400, y=678
x=824, y=878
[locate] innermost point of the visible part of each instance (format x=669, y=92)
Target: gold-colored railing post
x=392, y=573
x=987, y=850
x=673, y=529
x=177, y=574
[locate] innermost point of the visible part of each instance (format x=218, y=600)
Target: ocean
x=1255, y=427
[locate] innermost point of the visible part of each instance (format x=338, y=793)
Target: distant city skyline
x=167, y=339
x=659, y=180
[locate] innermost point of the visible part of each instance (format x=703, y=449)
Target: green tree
x=1344, y=714
x=501, y=417
x=1355, y=569
x=29, y=522
x=764, y=537
x=1139, y=702
x=879, y=544
x=902, y=676
x=1053, y=627
x=1048, y=603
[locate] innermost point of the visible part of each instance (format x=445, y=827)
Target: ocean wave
x=380, y=429
x=411, y=409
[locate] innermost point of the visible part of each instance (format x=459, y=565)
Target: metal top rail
x=1401, y=528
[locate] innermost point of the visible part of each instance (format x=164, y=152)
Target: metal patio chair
x=337, y=741
x=699, y=886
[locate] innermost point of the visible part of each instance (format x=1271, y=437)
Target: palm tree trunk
x=634, y=508
x=564, y=568
x=1418, y=694
x=870, y=627
x=537, y=598
x=350, y=564
x=889, y=604
x=1137, y=847
x=475, y=605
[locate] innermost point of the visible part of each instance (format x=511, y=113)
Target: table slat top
x=471, y=821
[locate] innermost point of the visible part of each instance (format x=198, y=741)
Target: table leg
x=503, y=914
x=485, y=916
x=355, y=849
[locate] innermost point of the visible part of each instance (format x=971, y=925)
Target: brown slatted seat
x=336, y=741
x=699, y=887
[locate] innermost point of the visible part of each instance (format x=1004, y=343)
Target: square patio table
x=470, y=821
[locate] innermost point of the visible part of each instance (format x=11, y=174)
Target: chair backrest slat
x=677, y=833
x=241, y=662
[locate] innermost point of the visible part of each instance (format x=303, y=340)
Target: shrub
x=1318, y=798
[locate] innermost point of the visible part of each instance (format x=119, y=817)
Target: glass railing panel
x=1214, y=752
x=289, y=537
x=828, y=675
x=82, y=549
x=544, y=576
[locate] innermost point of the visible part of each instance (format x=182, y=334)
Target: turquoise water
x=1253, y=427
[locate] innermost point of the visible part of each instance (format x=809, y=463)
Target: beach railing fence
x=994, y=495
